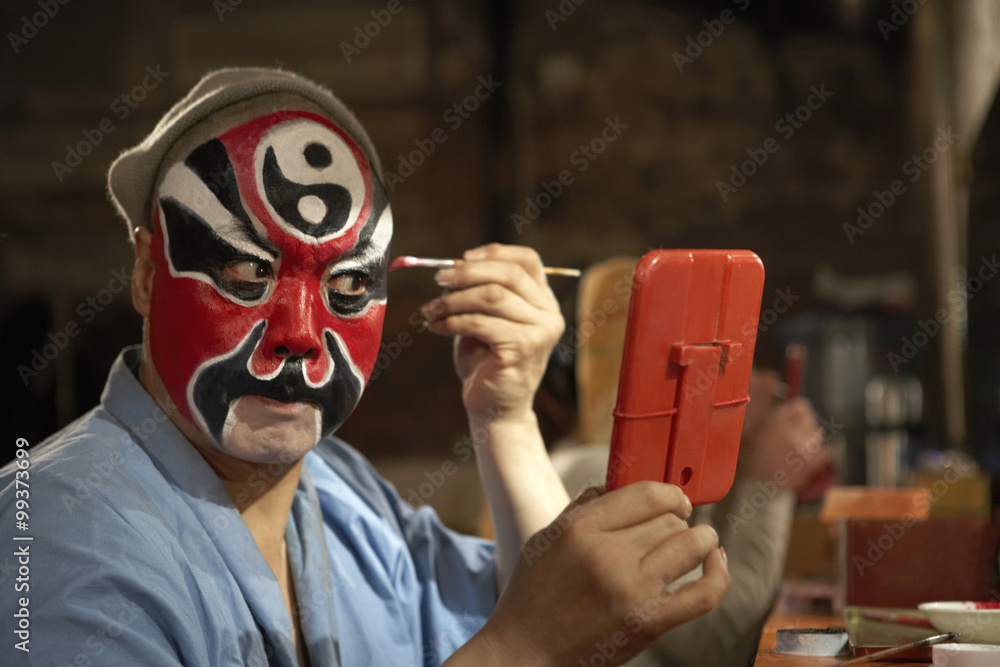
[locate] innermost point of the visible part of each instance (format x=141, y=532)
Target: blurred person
x=205, y=514
x=781, y=450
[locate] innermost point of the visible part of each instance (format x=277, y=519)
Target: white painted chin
x=264, y=429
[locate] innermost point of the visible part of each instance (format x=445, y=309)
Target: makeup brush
x=405, y=261
x=871, y=657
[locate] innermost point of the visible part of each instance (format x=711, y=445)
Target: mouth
x=276, y=406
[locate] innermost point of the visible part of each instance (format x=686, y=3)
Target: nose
x=286, y=352
x=294, y=329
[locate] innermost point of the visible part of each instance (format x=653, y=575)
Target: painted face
x=270, y=252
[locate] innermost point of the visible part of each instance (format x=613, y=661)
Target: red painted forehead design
x=272, y=242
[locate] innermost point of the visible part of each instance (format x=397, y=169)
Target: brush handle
x=405, y=262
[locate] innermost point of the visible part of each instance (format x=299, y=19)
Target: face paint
x=270, y=256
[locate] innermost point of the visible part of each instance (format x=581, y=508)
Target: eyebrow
x=373, y=242
x=193, y=244
x=196, y=249
x=211, y=164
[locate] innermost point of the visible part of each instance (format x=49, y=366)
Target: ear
x=142, y=272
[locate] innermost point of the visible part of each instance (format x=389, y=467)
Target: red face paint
x=270, y=251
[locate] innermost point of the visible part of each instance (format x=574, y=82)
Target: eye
x=348, y=283
x=248, y=271
x=248, y=278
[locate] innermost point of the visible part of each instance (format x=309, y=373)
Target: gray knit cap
x=132, y=175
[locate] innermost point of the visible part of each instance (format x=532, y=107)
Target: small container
x=812, y=641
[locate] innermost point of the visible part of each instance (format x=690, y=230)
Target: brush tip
x=402, y=262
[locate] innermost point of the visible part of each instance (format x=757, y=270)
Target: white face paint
x=310, y=154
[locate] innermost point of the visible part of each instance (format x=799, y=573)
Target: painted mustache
x=219, y=382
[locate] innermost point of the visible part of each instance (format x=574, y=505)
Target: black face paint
x=194, y=246
x=222, y=381
x=211, y=163
x=317, y=156
x=284, y=195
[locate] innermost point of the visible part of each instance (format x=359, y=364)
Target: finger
x=522, y=255
x=637, y=503
x=698, y=597
x=490, y=299
x=648, y=535
x=511, y=275
x=493, y=331
x=680, y=553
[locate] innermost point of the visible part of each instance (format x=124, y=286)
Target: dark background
x=655, y=186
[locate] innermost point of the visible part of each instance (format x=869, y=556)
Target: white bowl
x=978, y=622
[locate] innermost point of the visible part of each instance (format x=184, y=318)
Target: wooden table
x=766, y=657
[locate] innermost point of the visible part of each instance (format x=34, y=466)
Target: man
x=203, y=514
